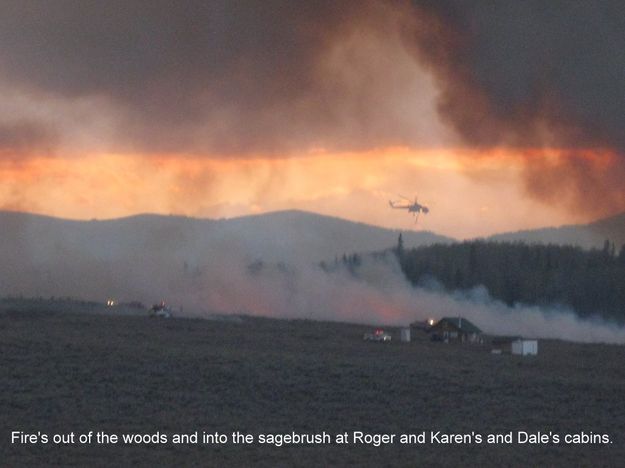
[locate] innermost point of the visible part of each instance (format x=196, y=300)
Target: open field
x=66, y=372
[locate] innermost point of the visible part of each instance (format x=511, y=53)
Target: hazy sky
x=499, y=116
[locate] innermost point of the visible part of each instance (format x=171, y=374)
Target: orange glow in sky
x=469, y=193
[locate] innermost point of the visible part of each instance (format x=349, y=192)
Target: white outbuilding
x=524, y=347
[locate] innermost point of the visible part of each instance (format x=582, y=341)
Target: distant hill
x=584, y=235
x=276, y=236
x=312, y=237
x=141, y=254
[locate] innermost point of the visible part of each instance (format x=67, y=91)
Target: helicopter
x=415, y=207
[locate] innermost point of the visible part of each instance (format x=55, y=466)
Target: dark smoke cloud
x=591, y=186
x=250, y=75
x=277, y=76
x=532, y=65
x=25, y=136
x=535, y=74
x=220, y=76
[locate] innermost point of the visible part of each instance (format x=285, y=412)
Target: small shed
x=456, y=329
x=514, y=345
x=525, y=347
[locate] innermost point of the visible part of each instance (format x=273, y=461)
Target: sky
x=498, y=116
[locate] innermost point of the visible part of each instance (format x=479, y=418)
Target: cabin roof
x=460, y=323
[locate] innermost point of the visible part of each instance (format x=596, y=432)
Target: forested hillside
x=590, y=281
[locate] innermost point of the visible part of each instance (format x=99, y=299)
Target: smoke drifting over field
x=379, y=294
x=263, y=265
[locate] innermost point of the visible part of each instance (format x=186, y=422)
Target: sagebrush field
x=65, y=372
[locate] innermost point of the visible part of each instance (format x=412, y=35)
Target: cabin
x=456, y=329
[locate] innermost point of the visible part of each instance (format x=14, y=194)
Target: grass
x=78, y=372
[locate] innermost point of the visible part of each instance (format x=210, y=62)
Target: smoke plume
x=536, y=76
x=247, y=78
x=380, y=295
x=207, y=267
x=222, y=78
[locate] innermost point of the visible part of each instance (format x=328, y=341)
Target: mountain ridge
x=138, y=256
x=589, y=235
x=585, y=235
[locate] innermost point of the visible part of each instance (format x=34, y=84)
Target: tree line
x=592, y=282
